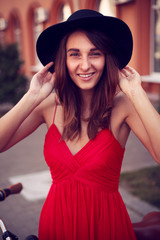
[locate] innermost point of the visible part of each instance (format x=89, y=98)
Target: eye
x=74, y=54
x=96, y=54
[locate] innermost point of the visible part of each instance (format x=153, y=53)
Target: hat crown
x=84, y=13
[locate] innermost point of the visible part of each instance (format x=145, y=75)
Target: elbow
x=158, y=160
x=157, y=157
x=3, y=149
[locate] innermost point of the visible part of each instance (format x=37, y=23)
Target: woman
x=97, y=100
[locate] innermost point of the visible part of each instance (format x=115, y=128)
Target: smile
x=85, y=75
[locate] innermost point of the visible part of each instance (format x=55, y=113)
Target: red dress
x=83, y=202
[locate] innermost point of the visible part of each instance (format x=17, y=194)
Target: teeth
x=85, y=75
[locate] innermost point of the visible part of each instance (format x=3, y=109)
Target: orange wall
x=137, y=16
x=24, y=10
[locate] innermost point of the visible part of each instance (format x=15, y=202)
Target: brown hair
x=69, y=94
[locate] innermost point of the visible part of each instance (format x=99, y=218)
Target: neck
x=86, y=103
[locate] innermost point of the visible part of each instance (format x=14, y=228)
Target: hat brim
x=49, y=40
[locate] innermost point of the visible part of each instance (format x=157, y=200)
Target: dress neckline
x=88, y=143
x=80, y=150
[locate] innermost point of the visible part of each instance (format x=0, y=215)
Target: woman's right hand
x=42, y=83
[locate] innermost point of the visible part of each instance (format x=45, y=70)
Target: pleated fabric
x=83, y=202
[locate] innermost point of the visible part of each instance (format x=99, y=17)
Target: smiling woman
x=97, y=100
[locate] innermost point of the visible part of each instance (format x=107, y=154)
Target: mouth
x=86, y=76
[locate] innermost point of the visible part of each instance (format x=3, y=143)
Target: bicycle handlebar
x=13, y=189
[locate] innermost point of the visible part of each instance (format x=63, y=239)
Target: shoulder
x=123, y=110
x=122, y=103
x=120, y=112
x=46, y=108
x=50, y=101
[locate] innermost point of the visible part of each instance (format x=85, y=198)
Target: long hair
x=69, y=94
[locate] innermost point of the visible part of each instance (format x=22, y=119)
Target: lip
x=86, y=76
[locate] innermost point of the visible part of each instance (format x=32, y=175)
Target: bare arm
x=146, y=124
x=24, y=118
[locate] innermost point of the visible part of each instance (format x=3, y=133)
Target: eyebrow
x=77, y=50
x=73, y=49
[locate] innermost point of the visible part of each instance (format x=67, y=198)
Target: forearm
x=11, y=128
x=10, y=122
x=149, y=117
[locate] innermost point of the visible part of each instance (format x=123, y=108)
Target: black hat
x=114, y=28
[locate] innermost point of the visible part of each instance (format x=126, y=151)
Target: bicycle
x=4, y=193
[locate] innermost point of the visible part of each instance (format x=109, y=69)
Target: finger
x=121, y=75
x=124, y=72
x=49, y=64
x=130, y=69
x=53, y=78
x=46, y=67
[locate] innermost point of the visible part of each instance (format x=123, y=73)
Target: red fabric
x=83, y=202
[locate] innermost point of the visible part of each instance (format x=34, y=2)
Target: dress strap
x=55, y=109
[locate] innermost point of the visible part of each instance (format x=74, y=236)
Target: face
x=85, y=62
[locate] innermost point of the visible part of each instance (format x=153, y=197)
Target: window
x=40, y=16
x=106, y=8
x=156, y=36
x=3, y=27
x=64, y=13
x=17, y=33
x=154, y=76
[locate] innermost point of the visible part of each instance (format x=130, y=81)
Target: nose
x=85, y=64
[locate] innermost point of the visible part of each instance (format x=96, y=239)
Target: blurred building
x=22, y=21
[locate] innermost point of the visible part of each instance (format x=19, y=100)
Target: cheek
x=70, y=67
x=101, y=64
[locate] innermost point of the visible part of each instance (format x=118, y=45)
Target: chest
x=117, y=127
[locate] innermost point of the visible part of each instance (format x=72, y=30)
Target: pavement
x=25, y=162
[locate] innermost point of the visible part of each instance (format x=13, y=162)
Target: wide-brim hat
x=49, y=40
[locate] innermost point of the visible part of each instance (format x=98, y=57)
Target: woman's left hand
x=142, y=118
x=129, y=80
